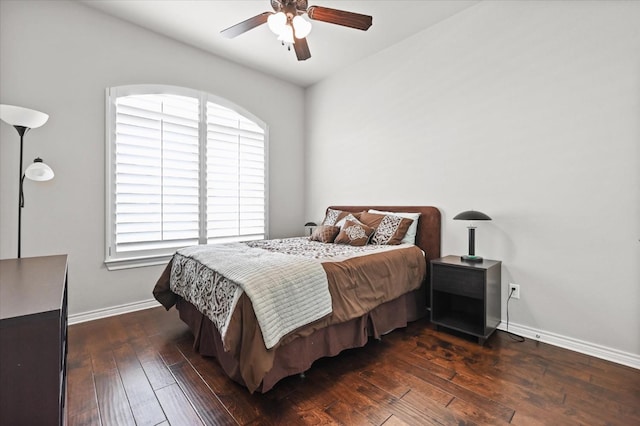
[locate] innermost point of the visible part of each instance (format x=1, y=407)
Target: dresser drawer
x=460, y=281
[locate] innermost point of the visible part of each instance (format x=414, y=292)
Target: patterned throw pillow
x=354, y=217
x=325, y=233
x=354, y=234
x=410, y=236
x=389, y=229
x=334, y=216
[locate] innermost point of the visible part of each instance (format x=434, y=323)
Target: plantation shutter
x=181, y=170
x=156, y=172
x=236, y=177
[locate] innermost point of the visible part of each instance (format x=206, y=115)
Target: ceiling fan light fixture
x=301, y=26
x=288, y=22
x=286, y=36
x=277, y=22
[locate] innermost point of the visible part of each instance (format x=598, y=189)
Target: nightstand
x=465, y=296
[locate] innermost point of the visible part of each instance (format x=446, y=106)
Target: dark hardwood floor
x=139, y=368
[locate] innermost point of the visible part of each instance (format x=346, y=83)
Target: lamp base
x=470, y=258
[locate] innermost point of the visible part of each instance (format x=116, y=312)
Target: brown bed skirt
x=297, y=356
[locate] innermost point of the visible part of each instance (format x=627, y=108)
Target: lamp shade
x=277, y=22
x=39, y=171
x=23, y=117
x=471, y=215
x=301, y=26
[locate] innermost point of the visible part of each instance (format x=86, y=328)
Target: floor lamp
x=23, y=120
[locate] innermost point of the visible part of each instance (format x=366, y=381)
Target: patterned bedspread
x=303, y=246
x=196, y=278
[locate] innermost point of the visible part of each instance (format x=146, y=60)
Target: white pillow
x=410, y=236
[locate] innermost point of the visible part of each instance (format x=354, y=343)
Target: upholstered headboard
x=428, y=233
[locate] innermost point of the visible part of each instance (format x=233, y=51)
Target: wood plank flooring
x=140, y=369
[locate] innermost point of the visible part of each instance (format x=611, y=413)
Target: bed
x=382, y=304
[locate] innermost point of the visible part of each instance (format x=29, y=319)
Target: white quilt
x=286, y=291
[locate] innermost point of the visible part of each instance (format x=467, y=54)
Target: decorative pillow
x=355, y=217
x=390, y=229
x=410, y=236
x=333, y=216
x=354, y=234
x=325, y=233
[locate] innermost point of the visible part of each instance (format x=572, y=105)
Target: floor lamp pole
x=21, y=131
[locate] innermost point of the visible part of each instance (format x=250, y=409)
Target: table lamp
x=471, y=215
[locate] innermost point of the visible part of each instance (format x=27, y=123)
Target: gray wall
x=527, y=111
x=58, y=57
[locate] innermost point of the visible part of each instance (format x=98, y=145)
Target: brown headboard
x=428, y=234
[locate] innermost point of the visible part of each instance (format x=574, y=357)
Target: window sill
x=136, y=262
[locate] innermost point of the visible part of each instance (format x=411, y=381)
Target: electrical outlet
x=514, y=291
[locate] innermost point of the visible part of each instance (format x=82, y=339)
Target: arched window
x=183, y=168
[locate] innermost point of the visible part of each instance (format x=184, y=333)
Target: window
x=183, y=168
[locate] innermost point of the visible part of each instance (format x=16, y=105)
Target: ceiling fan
x=292, y=29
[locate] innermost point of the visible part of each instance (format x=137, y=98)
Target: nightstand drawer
x=460, y=281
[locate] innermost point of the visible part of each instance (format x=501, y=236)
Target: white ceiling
x=199, y=22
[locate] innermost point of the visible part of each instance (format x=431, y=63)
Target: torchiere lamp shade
x=22, y=117
x=471, y=215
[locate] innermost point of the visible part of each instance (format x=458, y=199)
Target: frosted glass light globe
x=277, y=22
x=302, y=27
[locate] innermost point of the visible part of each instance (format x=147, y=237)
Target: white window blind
x=182, y=170
x=235, y=176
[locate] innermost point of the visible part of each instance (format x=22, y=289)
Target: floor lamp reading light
x=23, y=120
x=471, y=215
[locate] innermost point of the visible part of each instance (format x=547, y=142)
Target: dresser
x=33, y=340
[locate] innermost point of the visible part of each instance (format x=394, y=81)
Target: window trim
x=141, y=259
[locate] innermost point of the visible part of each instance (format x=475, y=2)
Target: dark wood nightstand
x=465, y=296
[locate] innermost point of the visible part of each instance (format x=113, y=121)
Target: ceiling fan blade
x=340, y=17
x=245, y=26
x=302, y=49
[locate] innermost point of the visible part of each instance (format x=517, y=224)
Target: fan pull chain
x=288, y=46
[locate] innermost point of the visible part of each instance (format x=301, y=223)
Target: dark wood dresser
x=33, y=340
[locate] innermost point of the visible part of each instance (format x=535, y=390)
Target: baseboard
x=587, y=348
x=115, y=310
